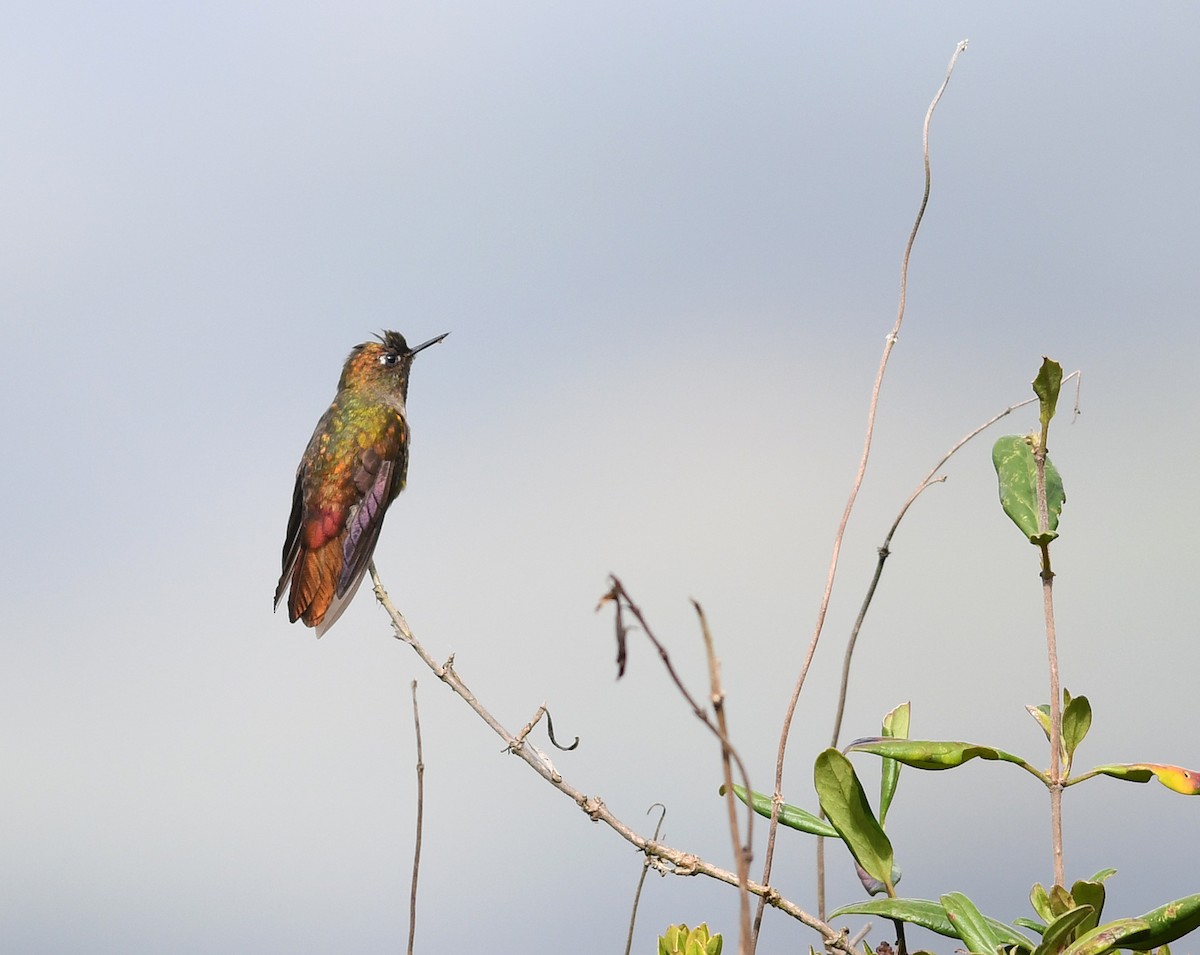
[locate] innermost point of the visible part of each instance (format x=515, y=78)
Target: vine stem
x=889, y=344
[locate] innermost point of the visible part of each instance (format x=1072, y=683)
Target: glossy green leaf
x=1076, y=721
x=1166, y=923
x=1017, y=474
x=1032, y=924
x=845, y=804
x=1046, y=386
x=1062, y=931
x=1106, y=937
x=679, y=940
x=1040, y=901
x=791, y=816
x=895, y=726
x=929, y=915
x=1089, y=893
x=1129, y=772
x=1103, y=875
x=970, y=924
x=931, y=754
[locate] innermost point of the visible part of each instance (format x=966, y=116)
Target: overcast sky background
x=666, y=239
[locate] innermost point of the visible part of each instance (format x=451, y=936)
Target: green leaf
x=970, y=925
x=1046, y=386
x=1103, y=875
x=931, y=754
x=1041, y=902
x=929, y=915
x=1106, y=937
x=845, y=803
x=1017, y=474
x=895, y=726
x=1061, y=932
x=1129, y=772
x=1076, y=721
x=1060, y=901
x=678, y=940
x=1166, y=923
x=1031, y=924
x=1089, y=893
x=791, y=816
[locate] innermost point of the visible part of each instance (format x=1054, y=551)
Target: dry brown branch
x=742, y=853
x=663, y=857
x=889, y=343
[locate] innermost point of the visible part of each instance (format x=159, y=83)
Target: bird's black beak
x=432, y=341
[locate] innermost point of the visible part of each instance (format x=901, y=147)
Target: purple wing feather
x=363, y=526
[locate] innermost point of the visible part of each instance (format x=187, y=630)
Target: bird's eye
x=388, y=358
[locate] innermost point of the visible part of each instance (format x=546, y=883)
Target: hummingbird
x=354, y=466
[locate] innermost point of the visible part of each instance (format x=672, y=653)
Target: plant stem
x=1056, y=767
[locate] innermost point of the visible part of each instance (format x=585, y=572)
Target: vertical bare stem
x=858, y=479
x=741, y=852
x=1056, y=767
x=412, y=900
x=1056, y=774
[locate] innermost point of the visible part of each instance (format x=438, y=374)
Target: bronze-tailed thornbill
x=352, y=469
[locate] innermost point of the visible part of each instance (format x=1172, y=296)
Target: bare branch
x=889, y=343
x=742, y=852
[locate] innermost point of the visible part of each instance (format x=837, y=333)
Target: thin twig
x=742, y=852
x=412, y=900
x=861, y=934
x=664, y=858
x=858, y=479
x=637, y=896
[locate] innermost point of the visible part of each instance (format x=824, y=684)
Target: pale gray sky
x=666, y=240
